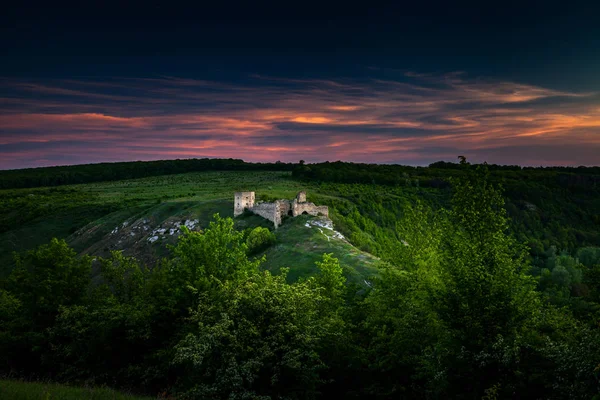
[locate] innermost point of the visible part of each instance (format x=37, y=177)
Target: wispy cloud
x=416, y=119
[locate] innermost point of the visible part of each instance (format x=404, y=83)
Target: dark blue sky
x=106, y=83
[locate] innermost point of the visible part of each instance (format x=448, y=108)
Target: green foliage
x=592, y=279
x=10, y=307
x=43, y=280
x=261, y=339
x=49, y=276
x=487, y=300
x=259, y=239
x=100, y=340
x=122, y=277
x=330, y=277
x=17, y=390
x=420, y=232
x=399, y=327
x=205, y=259
x=589, y=256
x=249, y=333
x=487, y=292
x=576, y=361
x=459, y=316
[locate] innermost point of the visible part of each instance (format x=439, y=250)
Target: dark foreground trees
x=455, y=314
x=205, y=323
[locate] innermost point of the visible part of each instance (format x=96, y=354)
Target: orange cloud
x=344, y=108
x=312, y=120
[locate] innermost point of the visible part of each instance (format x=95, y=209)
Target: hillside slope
x=84, y=214
x=301, y=241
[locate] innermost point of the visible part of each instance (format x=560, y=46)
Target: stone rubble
x=326, y=224
x=143, y=228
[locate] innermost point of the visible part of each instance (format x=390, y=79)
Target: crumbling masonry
x=275, y=211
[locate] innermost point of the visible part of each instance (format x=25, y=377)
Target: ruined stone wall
x=323, y=210
x=241, y=201
x=274, y=212
x=284, y=207
x=268, y=211
x=309, y=208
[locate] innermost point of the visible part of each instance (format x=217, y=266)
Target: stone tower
x=301, y=197
x=242, y=201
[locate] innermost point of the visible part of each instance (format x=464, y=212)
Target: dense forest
x=490, y=289
x=67, y=175
x=550, y=208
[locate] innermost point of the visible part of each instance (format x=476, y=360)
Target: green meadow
x=19, y=390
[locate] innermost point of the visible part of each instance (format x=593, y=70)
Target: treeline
x=89, y=173
x=381, y=174
x=455, y=314
x=497, y=167
x=436, y=174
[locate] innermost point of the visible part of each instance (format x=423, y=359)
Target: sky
x=105, y=82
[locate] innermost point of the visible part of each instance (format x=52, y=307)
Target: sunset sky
x=101, y=83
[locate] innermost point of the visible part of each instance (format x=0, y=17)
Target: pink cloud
x=283, y=119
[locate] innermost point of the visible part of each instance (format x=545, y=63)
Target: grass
x=299, y=247
x=18, y=390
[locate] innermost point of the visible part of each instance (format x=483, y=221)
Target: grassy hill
x=141, y=216
x=85, y=213
x=17, y=390
x=300, y=241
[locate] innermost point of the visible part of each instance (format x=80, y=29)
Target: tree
x=330, y=277
x=44, y=280
x=487, y=300
x=259, y=338
x=202, y=260
x=48, y=277
x=420, y=232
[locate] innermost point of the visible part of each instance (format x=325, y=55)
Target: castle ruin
x=275, y=211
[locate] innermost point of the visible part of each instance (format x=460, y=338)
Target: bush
x=259, y=239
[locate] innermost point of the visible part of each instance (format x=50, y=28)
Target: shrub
x=259, y=239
